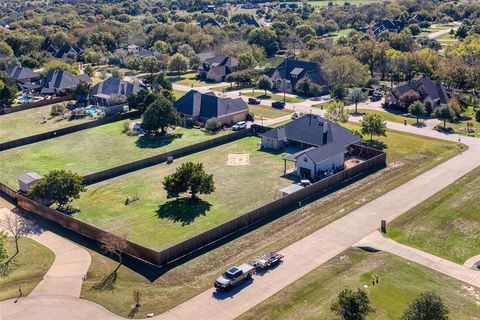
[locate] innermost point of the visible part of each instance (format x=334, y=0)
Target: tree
x=356, y=96
x=373, y=125
x=371, y=53
x=115, y=244
x=417, y=109
x=444, y=113
x=3, y=247
x=58, y=186
x=351, y=305
x=336, y=111
x=427, y=306
x=213, y=125
x=265, y=38
x=5, y=49
x=454, y=104
x=8, y=90
x=179, y=63
x=189, y=177
x=82, y=89
x=344, y=70
x=151, y=64
x=339, y=92
x=61, y=65
x=410, y=97
x=160, y=114
x=246, y=61
x=264, y=83
x=89, y=70
x=161, y=46
x=17, y=226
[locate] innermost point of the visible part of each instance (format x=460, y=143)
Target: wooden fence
x=36, y=104
x=67, y=130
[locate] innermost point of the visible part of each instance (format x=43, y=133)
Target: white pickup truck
x=233, y=276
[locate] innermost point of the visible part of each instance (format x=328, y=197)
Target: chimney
x=325, y=132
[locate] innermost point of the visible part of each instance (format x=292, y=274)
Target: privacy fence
x=36, y=104
x=376, y=161
x=67, y=130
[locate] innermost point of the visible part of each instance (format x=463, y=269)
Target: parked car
x=278, y=104
x=239, y=126
x=234, y=276
x=376, y=96
x=254, y=101
x=304, y=183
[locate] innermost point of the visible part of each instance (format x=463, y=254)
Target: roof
x=294, y=70
x=251, y=21
x=325, y=152
x=60, y=79
x=68, y=49
x=291, y=189
x=20, y=73
x=30, y=177
x=211, y=21
x=426, y=87
x=208, y=105
x=116, y=86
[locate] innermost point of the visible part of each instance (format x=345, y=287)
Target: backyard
x=92, y=150
x=157, y=222
x=29, y=122
x=447, y=224
x=400, y=281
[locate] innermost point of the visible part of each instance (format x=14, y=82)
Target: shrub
x=57, y=109
x=213, y=125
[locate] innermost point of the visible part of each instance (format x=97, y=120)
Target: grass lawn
x=447, y=39
x=446, y=224
x=27, y=269
x=26, y=123
x=188, y=79
x=267, y=112
x=156, y=222
x=91, y=150
x=261, y=95
x=413, y=155
x=389, y=116
x=400, y=281
x=178, y=94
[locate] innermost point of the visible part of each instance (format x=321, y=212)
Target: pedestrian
x=373, y=281
x=376, y=278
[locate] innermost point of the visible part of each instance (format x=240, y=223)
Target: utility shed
x=27, y=180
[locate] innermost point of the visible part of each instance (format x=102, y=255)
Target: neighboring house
x=250, y=5
x=323, y=144
x=388, y=26
x=431, y=92
x=133, y=49
x=290, y=71
x=22, y=75
x=105, y=92
x=27, y=180
x=60, y=81
x=250, y=21
x=217, y=68
x=211, y=21
x=67, y=52
x=199, y=107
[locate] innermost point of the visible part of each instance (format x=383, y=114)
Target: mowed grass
x=27, y=268
x=178, y=94
x=390, y=116
x=400, y=281
x=170, y=288
x=92, y=150
x=447, y=224
x=188, y=79
x=156, y=222
x=270, y=96
x=267, y=112
x=26, y=123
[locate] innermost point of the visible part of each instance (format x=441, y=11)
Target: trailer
x=267, y=260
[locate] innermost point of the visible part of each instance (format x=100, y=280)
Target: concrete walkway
x=470, y=263
x=378, y=241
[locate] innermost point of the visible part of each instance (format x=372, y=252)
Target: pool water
x=90, y=111
x=24, y=99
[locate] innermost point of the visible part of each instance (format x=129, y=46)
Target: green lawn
x=178, y=94
x=197, y=275
x=446, y=224
x=27, y=268
x=261, y=95
x=91, y=150
x=155, y=222
x=389, y=116
x=447, y=39
x=400, y=281
x=188, y=79
x=267, y=112
x=29, y=122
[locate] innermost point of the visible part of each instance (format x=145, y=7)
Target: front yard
x=267, y=112
x=157, y=222
x=271, y=96
x=188, y=79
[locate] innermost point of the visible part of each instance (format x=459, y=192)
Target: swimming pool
x=90, y=111
x=24, y=99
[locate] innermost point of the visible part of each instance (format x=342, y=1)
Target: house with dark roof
x=67, y=52
x=105, y=92
x=286, y=76
x=211, y=21
x=322, y=144
x=60, y=81
x=217, y=68
x=133, y=49
x=250, y=21
x=432, y=93
x=199, y=107
x=22, y=74
x=388, y=25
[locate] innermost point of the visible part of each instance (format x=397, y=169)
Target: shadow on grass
x=68, y=210
x=152, y=142
x=184, y=210
x=375, y=144
x=107, y=283
x=133, y=312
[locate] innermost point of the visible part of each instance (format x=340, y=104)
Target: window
x=305, y=159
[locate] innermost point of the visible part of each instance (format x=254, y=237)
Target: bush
x=58, y=109
x=477, y=115
x=213, y=125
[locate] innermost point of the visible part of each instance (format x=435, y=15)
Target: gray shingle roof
x=60, y=79
x=116, y=86
x=19, y=73
x=426, y=87
x=294, y=70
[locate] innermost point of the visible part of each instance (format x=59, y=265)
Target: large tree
x=265, y=38
x=371, y=53
x=336, y=111
x=444, y=113
x=427, y=306
x=344, y=70
x=17, y=226
x=356, y=96
x=160, y=114
x=417, y=109
x=8, y=90
x=352, y=305
x=189, y=177
x=178, y=63
x=58, y=186
x=373, y=125
x=264, y=83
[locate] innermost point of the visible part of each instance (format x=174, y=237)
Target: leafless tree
x=115, y=244
x=17, y=226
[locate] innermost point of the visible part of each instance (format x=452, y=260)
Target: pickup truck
x=234, y=276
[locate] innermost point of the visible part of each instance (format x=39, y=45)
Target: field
x=28, y=268
x=26, y=123
x=447, y=224
x=156, y=222
x=261, y=95
x=165, y=289
x=400, y=281
x=267, y=112
x=92, y=150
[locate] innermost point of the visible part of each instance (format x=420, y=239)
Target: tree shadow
x=68, y=210
x=184, y=210
x=152, y=142
x=107, y=283
x=375, y=144
x=133, y=312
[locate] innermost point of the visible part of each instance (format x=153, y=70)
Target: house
x=210, y=8
x=250, y=21
x=199, y=107
x=105, y=92
x=27, y=180
x=133, y=49
x=250, y=5
x=60, y=81
x=22, y=75
x=286, y=76
x=388, y=26
x=67, y=52
x=322, y=145
x=211, y=21
x=431, y=92
x=217, y=68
